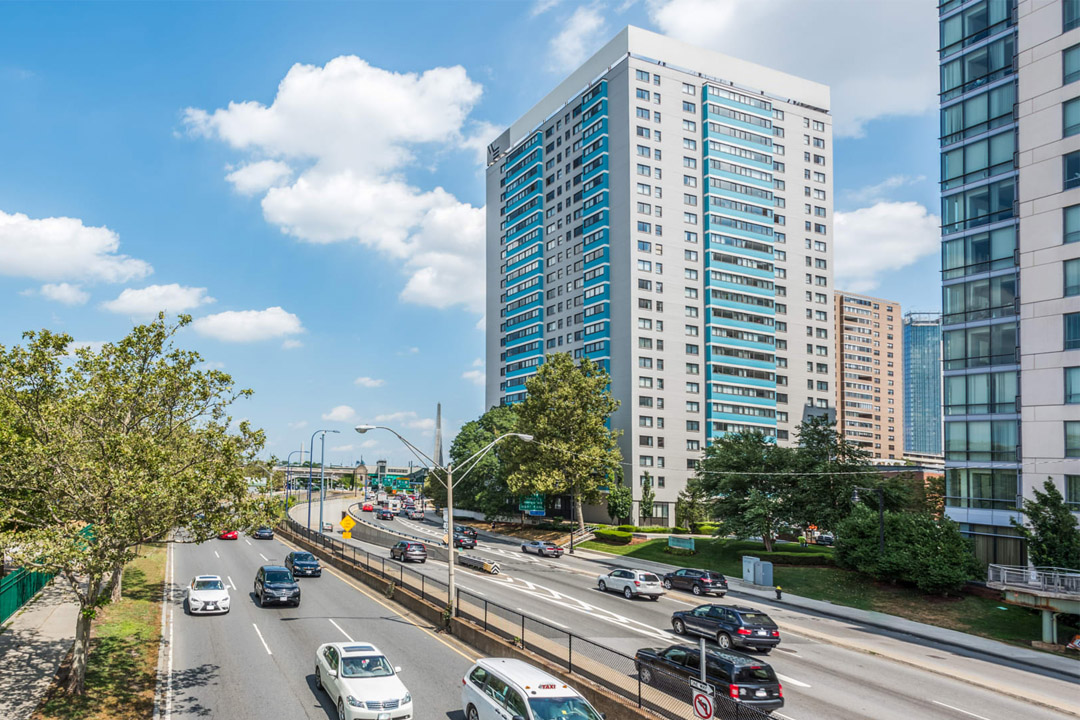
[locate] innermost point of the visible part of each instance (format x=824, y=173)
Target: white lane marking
x=265, y=559
x=247, y=541
x=960, y=710
x=163, y=711
x=342, y=631
x=474, y=592
x=261, y=638
x=781, y=716
x=792, y=681
x=571, y=603
x=547, y=620
x=230, y=582
x=216, y=555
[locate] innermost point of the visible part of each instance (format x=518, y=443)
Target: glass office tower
x=922, y=384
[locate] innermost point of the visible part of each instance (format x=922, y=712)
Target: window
x=689, y=125
x=642, y=75
x=689, y=162
x=1072, y=492
x=642, y=93
x=1072, y=439
x=1072, y=169
x=1070, y=15
x=1072, y=385
x=689, y=106
x=1071, y=271
x=1071, y=61
x=1070, y=113
x=1072, y=331
x=688, y=89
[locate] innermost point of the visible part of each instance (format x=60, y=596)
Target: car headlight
x=194, y=601
x=355, y=702
x=407, y=699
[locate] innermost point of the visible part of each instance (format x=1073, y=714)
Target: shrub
x=679, y=551
x=613, y=537
x=785, y=558
x=705, y=528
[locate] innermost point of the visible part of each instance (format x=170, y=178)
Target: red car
x=228, y=535
x=368, y=507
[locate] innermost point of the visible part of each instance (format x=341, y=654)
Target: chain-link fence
x=649, y=686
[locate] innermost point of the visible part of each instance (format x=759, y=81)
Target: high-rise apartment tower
x=870, y=376
x=638, y=216
x=1010, y=163
x=922, y=384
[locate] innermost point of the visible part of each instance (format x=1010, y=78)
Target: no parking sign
x=703, y=705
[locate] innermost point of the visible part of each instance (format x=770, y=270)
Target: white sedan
x=361, y=682
x=631, y=583
x=207, y=594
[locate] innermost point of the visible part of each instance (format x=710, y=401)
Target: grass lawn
x=122, y=668
x=524, y=532
x=968, y=613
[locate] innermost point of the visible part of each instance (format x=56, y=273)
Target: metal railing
x=660, y=691
x=18, y=588
x=1044, y=579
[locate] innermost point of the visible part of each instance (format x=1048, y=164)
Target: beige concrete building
x=870, y=374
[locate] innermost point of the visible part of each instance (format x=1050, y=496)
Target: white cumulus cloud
x=152, y=299
x=407, y=419
x=62, y=248
x=65, y=293
x=342, y=448
x=881, y=238
x=369, y=382
x=340, y=414
x=291, y=344
x=248, y=325
x=329, y=155
x=581, y=35
x=476, y=377
x=257, y=177
x=872, y=73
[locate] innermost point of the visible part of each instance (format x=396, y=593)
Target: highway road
x=257, y=663
x=822, y=680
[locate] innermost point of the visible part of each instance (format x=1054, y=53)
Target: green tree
x=1051, y=529
x=751, y=481
x=128, y=443
x=648, y=496
x=620, y=503
x=691, y=506
x=920, y=548
x=567, y=411
x=484, y=488
x=833, y=468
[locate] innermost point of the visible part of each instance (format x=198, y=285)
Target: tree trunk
x=117, y=584
x=76, y=682
x=767, y=539
x=577, y=509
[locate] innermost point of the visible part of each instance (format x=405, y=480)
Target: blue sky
x=305, y=178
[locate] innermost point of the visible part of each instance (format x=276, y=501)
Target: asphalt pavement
x=256, y=663
x=830, y=669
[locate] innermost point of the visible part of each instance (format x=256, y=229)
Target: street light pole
x=311, y=478
x=288, y=473
x=322, y=477
x=449, y=483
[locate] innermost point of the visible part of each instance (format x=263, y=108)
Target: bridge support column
x=1049, y=626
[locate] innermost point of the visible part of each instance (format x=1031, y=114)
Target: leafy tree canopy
x=1051, y=529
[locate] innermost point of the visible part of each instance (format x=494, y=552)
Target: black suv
x=275, y=584
x=699, y=582
x=263, y=533
x=303, y=564
x=729, y=626
x=737, y=677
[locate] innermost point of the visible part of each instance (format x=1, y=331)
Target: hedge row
x=613, y=537
x=654, y=529
x=784, y=558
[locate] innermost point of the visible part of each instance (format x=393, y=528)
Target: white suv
x=502, y=688
x=361, y=682
x=631, y=583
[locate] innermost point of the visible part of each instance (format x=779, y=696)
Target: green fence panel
x=18, y=588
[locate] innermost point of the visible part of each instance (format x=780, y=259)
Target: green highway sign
x=532, y=504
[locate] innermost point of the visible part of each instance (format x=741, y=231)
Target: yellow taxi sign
x=347, y=523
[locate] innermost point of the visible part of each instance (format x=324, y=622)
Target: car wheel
x=765, y=651
x=603, y=586
x=627, y=593
x=679, y=626
x=523, y=549
x=696, y=589
x=721, y=594
x=187, y=608
x=340, y=709
x=471, y=714
x=423, y=561
x=723, y=640
x=259, y=600
x=656, y=598
x=667, y=584
x=645, y=673
x=318, y=678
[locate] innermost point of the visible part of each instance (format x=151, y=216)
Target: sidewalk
x=1032, y=659
x=32, y=645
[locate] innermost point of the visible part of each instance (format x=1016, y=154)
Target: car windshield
x=209, y=585
x=278, y=576
x=649, y=577
x=560, y=708
x=757, y=619
x=549, y=544
x=755, y=673
x=365, y=666
x=303, y=557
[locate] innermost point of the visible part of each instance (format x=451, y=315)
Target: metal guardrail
x=356, y=516
x=1041, y=579
x=18, y=587
x=478, y=563
x=659, y=691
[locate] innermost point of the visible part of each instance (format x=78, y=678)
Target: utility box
x=748, y=564
x=763, y=574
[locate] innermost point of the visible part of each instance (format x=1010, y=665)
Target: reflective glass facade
x=922, y=384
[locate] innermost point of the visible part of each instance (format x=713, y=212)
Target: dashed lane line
x=231, y=583
x=262, y=638
x=960, y=710
x=342, y=631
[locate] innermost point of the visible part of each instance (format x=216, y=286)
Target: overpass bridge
x=1051, y=590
